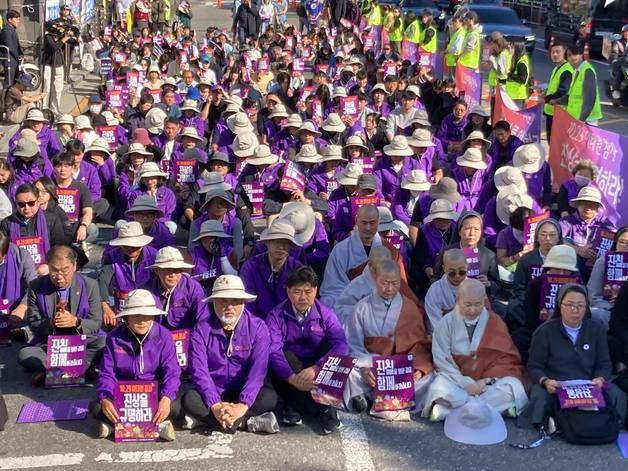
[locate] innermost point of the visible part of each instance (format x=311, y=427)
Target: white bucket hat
x=339, y=91
x=388, y=223
x=508, y=200
x=379, y=88
x=279, y=111
x=99, y=145
x=138, y=148
x=421, y=138
x=308, y=126
x=350, y=174
x=131, y=235
x=80, y=122
x=561, y=257
x=416, y=180
x=211, y=228
x=239, y=123
x=308, y=154
x=475, y=423
x=446, y=188
x=230, y=287
x=441, y=209
x=190, y=105
x=588, y=193
x=332, y=152
x=190, y=131
x=36, y=115
x=151, y=169
x=508, y=176
x=472, y=158
x=154, y=121
x=232, y=108
x=279, y=230
x=398, y=147
x=356, y=141
x=140, y=303
x=301, y=217
x=65, y=119
x=263, y=156
x=529, y=158
x=213, y=181
x=244, y=144
x=478, y=135
x=170, y=257
x=333, y=123
x=110, y=119
x=294, y=121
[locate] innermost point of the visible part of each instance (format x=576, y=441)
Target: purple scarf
x=41, y=230
x=10, y=286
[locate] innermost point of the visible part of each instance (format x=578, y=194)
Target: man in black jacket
x=9, y=38
x=54, y=43
x=246, y=22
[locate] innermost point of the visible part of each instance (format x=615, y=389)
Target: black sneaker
x=360, y=404
x=291, y=416
x=330, y=421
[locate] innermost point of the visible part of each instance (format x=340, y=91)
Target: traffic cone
x=534, y=97
x=586, y=51
x=219, y=3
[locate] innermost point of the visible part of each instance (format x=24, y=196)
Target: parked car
x=495, y=18
x=437, y=7
x=586, y=22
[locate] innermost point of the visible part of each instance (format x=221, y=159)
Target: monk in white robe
x=474, y=356
x=441, y=297
x=361, y=286
x=386, y=323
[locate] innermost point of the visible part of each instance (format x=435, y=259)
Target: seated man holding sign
x=474, y=356
x=302, y=332
x=569, y=346
x=139, y=349
x=386, y=323
x=64, y=302
x=228, y=364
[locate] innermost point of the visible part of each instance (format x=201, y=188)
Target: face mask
x=95, y=109
x=581, y=180
x=518, y=234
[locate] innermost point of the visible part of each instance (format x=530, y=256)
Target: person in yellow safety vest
x=559, y=83
x=429, y=40
x=583, y=97
x=374, y=16
x=470, y=56
x=518, y=81
x=455, y=45
x=413, y=31
x=501, y=63
x=395, y=33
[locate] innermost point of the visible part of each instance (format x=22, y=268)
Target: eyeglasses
x=460, y=273
x=574, y=307
x=548, y=235
x=23, y=204
x=622, y=243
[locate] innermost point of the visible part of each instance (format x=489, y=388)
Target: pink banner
x=525, y=124
x=469, y=83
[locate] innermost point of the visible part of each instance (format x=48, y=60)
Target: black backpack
x=588, y=427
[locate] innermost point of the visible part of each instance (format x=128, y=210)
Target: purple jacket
x=106, y=172
x=121, y=363
x=540, y=185
x=451, y=131
x=49, y=143
x=492, y=224
x=388, y=180
x=580, y=232
x=318, y=179
x=339, y=214
x=506, y=240
x=469, y=189
x=194, y=122
x=29, y=172
x=88, y=175
x=498, y=155
x=257, y=277
x=267, y=176
x=166, y=201
x=218, y=364
x=185, y=306
x=401, y=201
x=426, y=162
x=162, y=237
x=320, y=327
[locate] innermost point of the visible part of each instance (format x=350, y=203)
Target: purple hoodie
x=451, y=131
x=303, y=339
x=219, y=364
x=166, y=201
x=88, y=176
x=388, y=179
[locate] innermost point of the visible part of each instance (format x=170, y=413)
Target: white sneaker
x=105, y=430
x=166, y=431
x=439, y=412
x=616, y=94
x=191, y=423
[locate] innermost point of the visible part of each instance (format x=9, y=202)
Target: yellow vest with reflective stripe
x=375, y=16
x=396, y=30
x=516, y=90
x=432, y=44
x=413, y=32
x=450, y=59
x=574, y=105
x=554, y=83
x=471, y=59
x=492, y=74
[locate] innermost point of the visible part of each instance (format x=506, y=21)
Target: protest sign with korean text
x=472, y=254
x=358, y=201
x=529, y=229
x=550, y=284
x=293, y=178
x=579, y=394
x=65, y=361
x=331, y=379
x=348, y=106
x=615, y=273
x=394, y=383
x=469, y=81
x=524, y=123
x=136, y=403
x=181, y=340
x=255, y=192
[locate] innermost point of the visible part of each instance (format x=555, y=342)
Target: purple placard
x=5, y=333
x=34, y=245
x=332, y=184
x=105, y=66
x=255, y=192
x=298, y=65
x=469, y=81
x=69, y=200
x=136, y=403
x=550, y=284
x=65, y=361
x=358, y=201
x=409, y=50
x=472, y=255
x=622, y=444
x=367, y=162
x=293, y=178
x=395, y=240
x=602, y=243
x=571, y=396
x=108, y=133
x=181, y=339
x=331, y=379
x=394, y=383
x=529, y=229
x=184, y=171
x=52, y=411
x=348, y=106
x=615, y=272
x=114, y=99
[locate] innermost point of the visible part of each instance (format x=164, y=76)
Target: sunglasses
x=23, y=204
x=460, y=273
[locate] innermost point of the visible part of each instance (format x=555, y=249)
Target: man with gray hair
x=474, y=356
x=386, y=323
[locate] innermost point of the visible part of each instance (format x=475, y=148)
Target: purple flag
x=469, y=82
x=331, y=379
x=51, y=411
x=65, y=361
x=394, y=383
x=136, y=403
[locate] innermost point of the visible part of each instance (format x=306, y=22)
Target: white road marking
x=355, y=444
x=218, y=447
x=42, y=461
